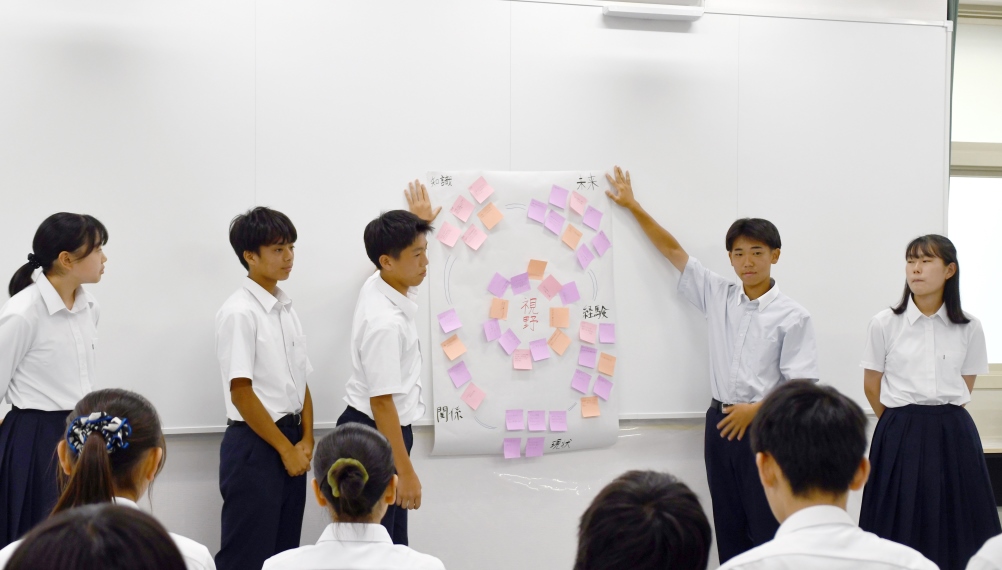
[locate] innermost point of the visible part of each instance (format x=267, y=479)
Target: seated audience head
x=644, y=520
x=396, y=244
x=354, y=475
x=810, y=447
x=98, y=537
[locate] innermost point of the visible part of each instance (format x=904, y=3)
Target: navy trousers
x=395, y=519
x=262, y=505
x=742, y=518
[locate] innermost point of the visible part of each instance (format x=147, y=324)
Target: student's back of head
x=644, y=520
x=353, y=472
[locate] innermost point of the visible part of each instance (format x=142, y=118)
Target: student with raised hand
x=268, y=443
x=384, y=390
x=644, y=520
x=810, y=450
x=930, y=487
x=758, y=338
x=354, y=481
x=112, y=450
x=48, y=343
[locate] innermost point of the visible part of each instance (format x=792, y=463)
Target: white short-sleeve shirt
x=353, y=546
x=826, y=538
x=923, y=358
x=989, y=557
x=48, y=352
x=385, y=351
x=754, y=345
x=259, y=336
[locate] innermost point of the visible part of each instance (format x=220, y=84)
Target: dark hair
x=257, y=228
x=815, y=434
x=391, y=233
x=96, y=472
x=756, y=229
x=58, y=233
x=644, y=520
x=98, y=537
x=934, y=245
x=357, y=496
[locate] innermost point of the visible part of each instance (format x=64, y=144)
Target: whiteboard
x=166, y=120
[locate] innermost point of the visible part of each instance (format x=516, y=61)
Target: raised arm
x=621, y=192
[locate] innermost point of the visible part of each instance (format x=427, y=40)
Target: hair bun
x=347, y=477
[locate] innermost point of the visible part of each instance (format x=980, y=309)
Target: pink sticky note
x=587, y=357
x=558, y=420
x=514, y=420
x=534, y=446
x=512, y=447
x=537, y=211
x=481, y=190
x=537, y=420
x=498, y=285
x=592, y=218
x=601, y=243
x=540, y=350
x=550, y=287
x=460, y=374
x=522, y=359
x=578, y=203
x=509, y=341
x=449, y=321
x=569, y=293
x=448, y=234
x=492, y=330
x=473, y=395
x=462, y=208
x=602, y=388
x=520, y=283
x=554, y=222
x=474, y=237
x=558, y=197
x=585, y=256
x=607, y=333
x=581, y=381
x=587, y=332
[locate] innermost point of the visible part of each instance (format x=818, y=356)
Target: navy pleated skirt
x=28, y=469
x=929, y=487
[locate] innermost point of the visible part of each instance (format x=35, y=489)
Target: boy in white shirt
x=810, y=449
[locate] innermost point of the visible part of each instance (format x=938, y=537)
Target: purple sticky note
x=601, y=244
x=592, y=218
x=537, y=211
x=554, y=222
x=585, y=256
x=607, y=333
x=558, y=420
x=512, y=447
x=509, y=342
x=603, y=387
x=449, y=321
x=540, y=350
x=537, y=420
x=460, y=374
x=558, y=197
x=520, y=283
x=492, y=330
x=498, y=285
x=587, y=357
x=581, y=381
x=514, y=420
x=534, y=446
x=569, y=293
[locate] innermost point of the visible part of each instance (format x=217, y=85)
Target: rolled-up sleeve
x=379, y=354
x=798, y=358
x=236, y=337
x=698, y=283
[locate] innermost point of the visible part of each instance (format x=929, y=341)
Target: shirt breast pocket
x=949, y=364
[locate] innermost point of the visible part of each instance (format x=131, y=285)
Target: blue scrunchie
x=114, y=429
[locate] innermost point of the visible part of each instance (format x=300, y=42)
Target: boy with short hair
x=758, y=338
x=810, y=450
x=268, y=443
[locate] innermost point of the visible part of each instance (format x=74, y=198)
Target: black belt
x=719, y=406
x=288, y=420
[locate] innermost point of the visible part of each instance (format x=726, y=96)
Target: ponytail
x=58, y=233
x=353, y=467
x=91, y=480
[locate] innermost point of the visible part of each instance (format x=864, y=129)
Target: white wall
x=977, y=83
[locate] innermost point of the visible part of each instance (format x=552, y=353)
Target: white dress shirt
x=47, y=352
x=825, y=537
x=989, y=557
x=923, y=358
x=259, y=336
x=754, y=345
x=385, y=351
x=196, y=556
x=353, y=546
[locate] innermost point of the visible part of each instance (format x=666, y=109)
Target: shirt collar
x=913, y=313
x=766, y=298
x=814, y=516
x=54, y=303
x=123, y=502
x=355, y=532
x=406, y=304
x=267, y=300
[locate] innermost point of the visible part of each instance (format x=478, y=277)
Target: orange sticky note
x=607, y=364
x=536, y=269
x=560, y=317
x=559, y=342
x=571, y=236
x=499, y=308
x=589, y=407
x=453, y=347
x=490, y=215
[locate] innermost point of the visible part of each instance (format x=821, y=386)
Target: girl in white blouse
x=355, y=480
x=929, y=487
x=48, y=340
